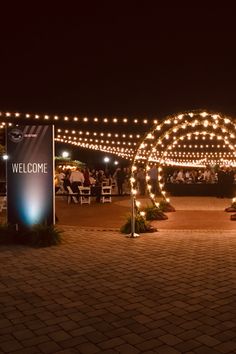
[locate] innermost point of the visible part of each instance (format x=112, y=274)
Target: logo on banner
x=15, y=135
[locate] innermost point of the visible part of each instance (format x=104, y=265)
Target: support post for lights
x=106, y=160
x=133, y=234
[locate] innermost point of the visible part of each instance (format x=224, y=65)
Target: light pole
x=106, y=160
x=65, y=154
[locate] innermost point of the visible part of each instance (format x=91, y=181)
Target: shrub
x=154, y=213
x=43, y=236
x=231, y=208
x=36, y=236
x=165, y=206
x=7, y=234
x=141, y=225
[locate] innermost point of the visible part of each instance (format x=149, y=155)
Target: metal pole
x=133, y=234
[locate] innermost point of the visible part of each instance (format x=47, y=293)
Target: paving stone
x=69, y=325
x=142, y=319
x=149, y=344
x=108, y=351
x=103, y=293
x=170, y=340
x=208, y=340
x=23, y=334
x=31, y=350
x=59, y=336
x=35, y=324
x=187, y=346
x=5, y=323
x=96, y=337
x=172, y=329
x=49, y=347
x=10, y=346
x=165, y=349
x=189, y=334
x=73, y=342
x=209, y=330
x=127, y=348
x=81, y=331
x=227, y=347
x=117, y=332
x=6, y=338
x=155, y=333
x=67, y=351
x=88, y=348
x=226, y=335
x=35, y=341
x=206, y=350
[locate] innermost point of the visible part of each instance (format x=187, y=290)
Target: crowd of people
x=223, y=176
x=85, y=177
x=207, y=175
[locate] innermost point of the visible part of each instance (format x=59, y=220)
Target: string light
x=146, y=151
x=75, y=119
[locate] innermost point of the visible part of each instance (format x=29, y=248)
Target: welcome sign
x=30, y=175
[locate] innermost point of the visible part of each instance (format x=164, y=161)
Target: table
x=194, y=189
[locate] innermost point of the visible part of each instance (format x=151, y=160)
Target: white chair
x=106, y=194
x=84, y=195
x=71, y=196
x=105, y=182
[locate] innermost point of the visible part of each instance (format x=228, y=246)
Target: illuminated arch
x=163, y=137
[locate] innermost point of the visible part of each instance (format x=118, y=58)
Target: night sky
x=106, y=60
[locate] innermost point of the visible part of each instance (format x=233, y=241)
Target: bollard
x=133, y=214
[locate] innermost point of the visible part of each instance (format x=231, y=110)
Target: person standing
x=229, y=182
x=221, y=179
x=98, y=185
x=67, y=180
x=120, y=179
x=141, y=181
x=180, y=176
x=76, y=179
x=153, y=179
x=86, y=177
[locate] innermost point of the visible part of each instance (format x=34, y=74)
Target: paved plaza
x=168, y=292
x=172, y=291
x=206, y=213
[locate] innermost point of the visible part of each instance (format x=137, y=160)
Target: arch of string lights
x=191, y=139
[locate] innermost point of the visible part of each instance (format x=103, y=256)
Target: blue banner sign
x=30, y=175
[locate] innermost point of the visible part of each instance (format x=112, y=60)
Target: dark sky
x=110, y=60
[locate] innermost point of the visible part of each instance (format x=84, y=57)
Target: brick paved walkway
x=169, y=292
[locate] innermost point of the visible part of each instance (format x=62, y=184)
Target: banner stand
x=30, y=176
